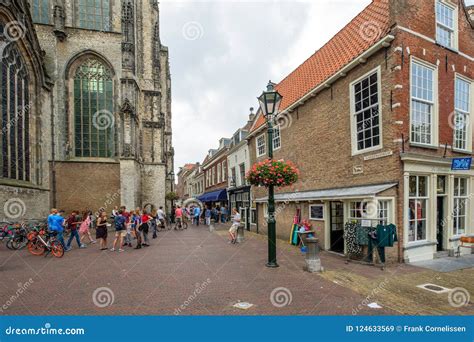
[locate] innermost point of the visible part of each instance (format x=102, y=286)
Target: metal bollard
x=313, y=262
x=240, y=233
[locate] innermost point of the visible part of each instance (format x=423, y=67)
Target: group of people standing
x=128, y=226
x=209, y=213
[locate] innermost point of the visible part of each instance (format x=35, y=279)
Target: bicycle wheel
x=57, y=249
x=35, y=247
x=10, y=244
x=19, y=243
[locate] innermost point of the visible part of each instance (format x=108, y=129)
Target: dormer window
x=446, y=24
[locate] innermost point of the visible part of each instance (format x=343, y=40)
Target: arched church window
x=40, y=10
x=94, y=120
x=94, y=14
x=127, y=21
x=14, y=112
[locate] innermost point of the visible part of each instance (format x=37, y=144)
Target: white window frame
x=219, y=169
x=224, y=168
x=459, y=198
x=454, y=30
x=253, y=210
x=276, y=139
x=355, y=150
x=417, y=197
x=468, y=115
x=435, y=106
x=316, y=218
x=263, y=145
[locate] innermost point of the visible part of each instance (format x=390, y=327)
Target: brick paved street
x=165, y=277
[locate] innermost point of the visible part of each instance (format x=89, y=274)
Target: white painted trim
x=355, y=151
x=455, y=9
x=471, y=112
x=435, y=117
x=264, y=144
x=309, y=212
x=422, y=36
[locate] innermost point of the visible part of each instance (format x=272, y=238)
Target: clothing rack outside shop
x=382, y=221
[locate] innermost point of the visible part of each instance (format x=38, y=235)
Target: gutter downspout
x=53, y=152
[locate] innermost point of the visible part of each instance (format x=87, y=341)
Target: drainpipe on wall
x=53, y=153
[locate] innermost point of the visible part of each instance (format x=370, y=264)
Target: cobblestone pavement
x=196, y=271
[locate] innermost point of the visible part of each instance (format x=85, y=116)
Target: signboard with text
x=461, y=163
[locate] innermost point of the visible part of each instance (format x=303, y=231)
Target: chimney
x=251, y=115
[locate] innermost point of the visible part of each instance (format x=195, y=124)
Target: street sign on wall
x=461, y=163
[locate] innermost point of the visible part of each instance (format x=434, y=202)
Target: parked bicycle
x=6, y=232
x=43, y=242
x=19, y=239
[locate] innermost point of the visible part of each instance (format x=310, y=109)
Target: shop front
x=330, y=210
x=216, y=198
x=437, y=207
x=239, y=198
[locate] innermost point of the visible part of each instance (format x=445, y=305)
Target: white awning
x=331, y=194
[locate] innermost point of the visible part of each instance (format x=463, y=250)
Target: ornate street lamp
x=269, y=103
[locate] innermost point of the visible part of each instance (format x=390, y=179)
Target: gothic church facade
x=86, y=106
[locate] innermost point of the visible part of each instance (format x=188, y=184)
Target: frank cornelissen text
x=405, y=328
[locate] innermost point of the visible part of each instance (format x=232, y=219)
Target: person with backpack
x=120, y=231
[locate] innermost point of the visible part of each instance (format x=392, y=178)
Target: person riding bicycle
x=179, y=216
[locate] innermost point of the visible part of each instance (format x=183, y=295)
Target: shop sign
x=461, y=164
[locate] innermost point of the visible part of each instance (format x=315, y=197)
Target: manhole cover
x=434, y=288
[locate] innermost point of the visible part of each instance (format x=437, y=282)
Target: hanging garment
x=373, y=243
x=362, y=235
x=386, y=235
x=350, y=238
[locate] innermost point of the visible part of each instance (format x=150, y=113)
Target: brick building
x=373, y=120
x=98, y=106
x=238, y=164
x=214, y=168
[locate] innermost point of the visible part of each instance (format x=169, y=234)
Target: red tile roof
x=368, y=27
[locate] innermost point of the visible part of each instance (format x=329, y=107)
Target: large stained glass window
x=94, y=120
x=14, y=113
x=94, y=14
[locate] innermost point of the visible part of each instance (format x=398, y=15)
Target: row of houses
x=373, y=120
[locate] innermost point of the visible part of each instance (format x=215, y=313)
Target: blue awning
x=214, y=196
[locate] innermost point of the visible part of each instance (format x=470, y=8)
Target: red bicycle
x=43, y=241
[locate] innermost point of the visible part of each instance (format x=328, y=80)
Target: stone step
x=441, y=254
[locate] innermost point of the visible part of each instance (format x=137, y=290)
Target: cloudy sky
x=223, y=53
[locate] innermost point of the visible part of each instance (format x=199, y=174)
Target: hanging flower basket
x=278, y=173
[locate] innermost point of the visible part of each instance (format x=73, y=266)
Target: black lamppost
x=269, y=103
